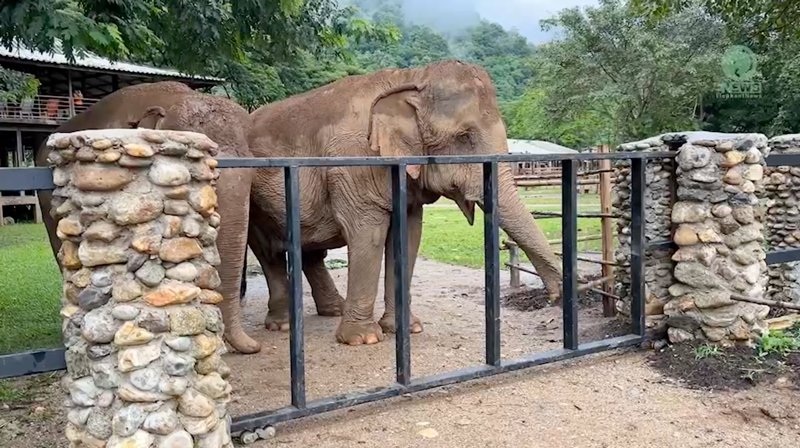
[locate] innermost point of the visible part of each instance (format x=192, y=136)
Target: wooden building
x=67, y=88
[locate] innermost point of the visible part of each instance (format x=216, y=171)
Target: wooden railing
x=43, y=108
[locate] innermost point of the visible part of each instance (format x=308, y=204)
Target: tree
x=14, y=85
x=194, y=36
x=761, y=19
x=615, y=71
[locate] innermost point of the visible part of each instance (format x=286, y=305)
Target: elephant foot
x=277, y=321
x=388, y=324
x=357, y=333
x=330, y=307
x=242, y=343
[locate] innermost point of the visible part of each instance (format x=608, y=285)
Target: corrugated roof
x=92, y=61
x=536, y=147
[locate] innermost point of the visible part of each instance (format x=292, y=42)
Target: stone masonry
x=783, y=220
x=719, y=234
x=135, y=212
x=659, y=197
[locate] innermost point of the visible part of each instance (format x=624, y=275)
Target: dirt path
x=607, y=400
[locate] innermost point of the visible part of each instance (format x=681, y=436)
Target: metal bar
x=580, y=215
x=491, y=245
x=29, y=363
x=400, y=252
x=16, y=179
x=261, y=419
x=783, y=160
x=665, y=244
x=783, y=256
x=295, y=271
x=569, y=230
x=254, y=162
x=583, y=238
x=638, y=185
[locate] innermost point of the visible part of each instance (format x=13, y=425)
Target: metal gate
x=15, y=179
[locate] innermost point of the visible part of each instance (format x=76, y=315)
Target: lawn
x=30, y=284
x=30, y=290
x=447, y=237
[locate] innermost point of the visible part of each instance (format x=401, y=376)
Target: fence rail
x=40, y=178
x=47, y=108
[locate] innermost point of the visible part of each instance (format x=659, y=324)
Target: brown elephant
x=175, y=106
x=447, y=108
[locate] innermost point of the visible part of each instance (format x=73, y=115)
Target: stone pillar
x=659, y=197
x=719, y=234
x=783, y=220
x=135, y=212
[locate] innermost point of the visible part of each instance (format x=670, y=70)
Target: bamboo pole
x=772, y=303
x=609, y=305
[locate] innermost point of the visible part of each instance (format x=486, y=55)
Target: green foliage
x=779, y=342
x=760, y=19
x=706, y=350
x=15, y=85
x=619, y=78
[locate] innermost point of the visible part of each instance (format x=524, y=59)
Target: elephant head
x=451, y=109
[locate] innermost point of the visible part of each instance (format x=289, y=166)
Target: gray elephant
x=174, y=106
x=447, y=108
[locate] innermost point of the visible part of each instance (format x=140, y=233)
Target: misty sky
x=524, y=15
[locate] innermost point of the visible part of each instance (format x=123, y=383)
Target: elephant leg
x=274, y=267
x=364, y=249
x=233, y=189
x=326, y=297
x=387, y=322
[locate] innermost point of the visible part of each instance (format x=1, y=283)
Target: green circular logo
x=739, y=63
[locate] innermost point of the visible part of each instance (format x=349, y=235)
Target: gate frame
x=19, y=364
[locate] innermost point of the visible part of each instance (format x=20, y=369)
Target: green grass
x=706, y=350
x=447, y=237
x=30, y=290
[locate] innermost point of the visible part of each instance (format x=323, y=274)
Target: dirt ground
x=606, y=400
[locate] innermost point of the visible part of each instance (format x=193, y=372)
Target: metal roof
x=536, y=147
x=93, y=62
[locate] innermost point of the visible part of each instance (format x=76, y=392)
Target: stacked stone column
x=135, y=212
x=782, y=186
x=719, y=233
x=659, y=197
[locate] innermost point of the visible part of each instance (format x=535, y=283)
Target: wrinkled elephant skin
x=448, y=108
x=174, y=106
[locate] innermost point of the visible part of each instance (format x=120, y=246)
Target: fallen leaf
x=428, y=433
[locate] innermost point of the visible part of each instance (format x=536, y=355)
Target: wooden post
x=609, y=307
x=69, y=90
x=513, y=259
x=20, y=154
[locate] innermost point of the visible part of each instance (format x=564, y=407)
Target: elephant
x=175, y=106
x=446, y=108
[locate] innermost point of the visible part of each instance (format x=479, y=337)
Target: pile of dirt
x=736, y=368
x=533, y=299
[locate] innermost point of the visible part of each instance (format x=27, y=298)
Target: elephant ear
x=394, y=125
x=152, y=118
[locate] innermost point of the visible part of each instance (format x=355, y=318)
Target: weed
x=779, y=342
x=706, y=350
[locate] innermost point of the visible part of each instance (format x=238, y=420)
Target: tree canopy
x=623, y=70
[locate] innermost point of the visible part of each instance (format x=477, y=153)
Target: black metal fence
x=41, y=179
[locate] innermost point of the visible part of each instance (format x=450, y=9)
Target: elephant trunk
x=519, y=224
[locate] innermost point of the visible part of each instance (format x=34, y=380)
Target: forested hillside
x=616, y=72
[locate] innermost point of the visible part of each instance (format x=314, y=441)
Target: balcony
x=43, y=109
